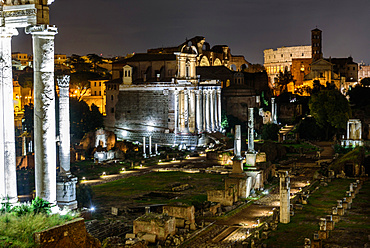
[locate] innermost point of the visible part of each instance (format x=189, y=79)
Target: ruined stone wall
x=156, y=228
x=182, y=212
x=142, y=110
x=225, y=197
x=237, y=101
x=71, y=234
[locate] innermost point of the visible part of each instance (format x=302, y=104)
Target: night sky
x=118, y=27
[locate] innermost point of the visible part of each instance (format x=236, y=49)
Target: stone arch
x=204, y=61
x=243, y=67
x=233, y=67
x=217, y=62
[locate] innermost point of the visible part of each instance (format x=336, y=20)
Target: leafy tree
x=283, y=79
x=83, y=119
x=79, y=82
x=359, y=96
x=308, y=129
x=95, y=60
x=330, y=110
x=365, y=81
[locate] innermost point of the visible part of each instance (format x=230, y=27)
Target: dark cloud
x=118, y=27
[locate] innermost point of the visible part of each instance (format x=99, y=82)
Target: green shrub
x=39, y=205
x=22, y=209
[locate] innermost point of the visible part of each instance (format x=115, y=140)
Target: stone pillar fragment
x=44, y=110
x=237, y=160
x=284, y=197
x=250, y=131
x=8, y=177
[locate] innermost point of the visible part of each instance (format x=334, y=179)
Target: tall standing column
x=219, y=109
x=204, y=96
x=64, y=132
x=198, y=115
x=150, y=146
x=144, y=148
x=44, y=110
x=215, y=110
x=207, y=112
x=250, y=131
x=212, y=109
x=8, y=176
x=186, y=111
x=237, y=160
x=66, y=183
x=176, y=111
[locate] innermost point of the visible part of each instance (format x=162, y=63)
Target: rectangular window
x=94, y=83
x=125, y=73
x=128, y=73
x=111, y=97
x=99, y=93
x=94, y=93
x=99, y=83
x=112, y=110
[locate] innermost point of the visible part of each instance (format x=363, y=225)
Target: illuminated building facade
x=160, y=95
x=279, y=60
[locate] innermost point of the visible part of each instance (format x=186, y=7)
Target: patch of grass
x=18, y=231
x=130, y=187
x=305, y=222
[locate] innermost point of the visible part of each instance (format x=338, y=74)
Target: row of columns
x=150, y=147
x=197, y=111
x=44, y=116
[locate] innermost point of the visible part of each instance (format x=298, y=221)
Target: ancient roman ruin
x=34, y=17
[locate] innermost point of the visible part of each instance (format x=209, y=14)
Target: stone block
x=323, y=234
x=330, y=225
x=180, y=223
x=316, y=244
x=182, y=212
x=193, y=226
x=336, y=218
x=130, y=236
x=151, y=238
x=158, y=224
x=341, y=211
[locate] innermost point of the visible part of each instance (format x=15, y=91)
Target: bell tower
x=316, y=43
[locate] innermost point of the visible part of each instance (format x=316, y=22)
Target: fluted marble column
x=44, y=110
x=219, y=109
x=212, y=109
x=204, y=121
x=8, y=176
x=198, y=110
x=186, y=111
x=208, y=121
x=176, y=111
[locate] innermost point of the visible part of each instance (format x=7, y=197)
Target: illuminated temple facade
x=160, y=95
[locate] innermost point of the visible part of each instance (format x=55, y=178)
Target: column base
x=66, y=192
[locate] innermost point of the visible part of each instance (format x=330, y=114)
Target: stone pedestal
x=66, y=192
x=44, y=110
x=8, y=177
x=241, y=182
x=340, y=211
x=323, y=234
x=250, y=159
